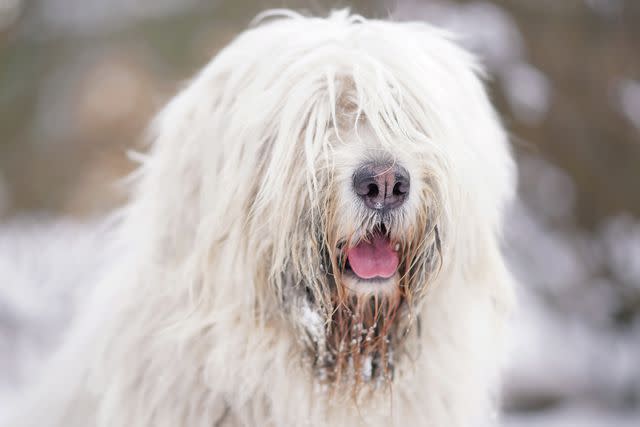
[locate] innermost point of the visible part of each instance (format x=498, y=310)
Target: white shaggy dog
x=312, y=240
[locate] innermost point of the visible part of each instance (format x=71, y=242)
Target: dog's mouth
x=371, y=266
x=374, y=258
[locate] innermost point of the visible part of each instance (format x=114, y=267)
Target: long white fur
x=185, y=329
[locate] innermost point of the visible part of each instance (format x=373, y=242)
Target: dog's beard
x=361, y=335
x=355, y=338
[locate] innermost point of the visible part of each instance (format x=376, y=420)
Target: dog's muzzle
x=383, y=187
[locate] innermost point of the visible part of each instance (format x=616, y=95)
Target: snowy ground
x=46, y=268
x=574, y=417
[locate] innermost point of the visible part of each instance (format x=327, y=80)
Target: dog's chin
x=378, y=286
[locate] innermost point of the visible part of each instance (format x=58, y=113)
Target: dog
x=313, y=239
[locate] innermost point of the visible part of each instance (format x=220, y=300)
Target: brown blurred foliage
x=72, y=103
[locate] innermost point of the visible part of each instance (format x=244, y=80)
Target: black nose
x=381, y=186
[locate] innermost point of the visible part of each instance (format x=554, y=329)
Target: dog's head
x=355, y=166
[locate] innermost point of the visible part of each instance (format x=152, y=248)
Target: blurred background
x=79, y=80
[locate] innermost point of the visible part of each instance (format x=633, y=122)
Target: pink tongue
x=374, y=259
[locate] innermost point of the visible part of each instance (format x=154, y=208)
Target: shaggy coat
x=230, y=303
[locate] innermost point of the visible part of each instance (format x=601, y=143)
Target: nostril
x=373, y=190
x=399, y=189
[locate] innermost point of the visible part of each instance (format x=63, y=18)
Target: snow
x=46, y=268
x=575, y=416
x=528, y=91
x=621, y=239
x=312, y=322
x=628, y=99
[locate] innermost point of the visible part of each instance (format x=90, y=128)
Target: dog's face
x=379, y=250
x=359, y=237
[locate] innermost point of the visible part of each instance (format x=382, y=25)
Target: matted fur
x=229, y=306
